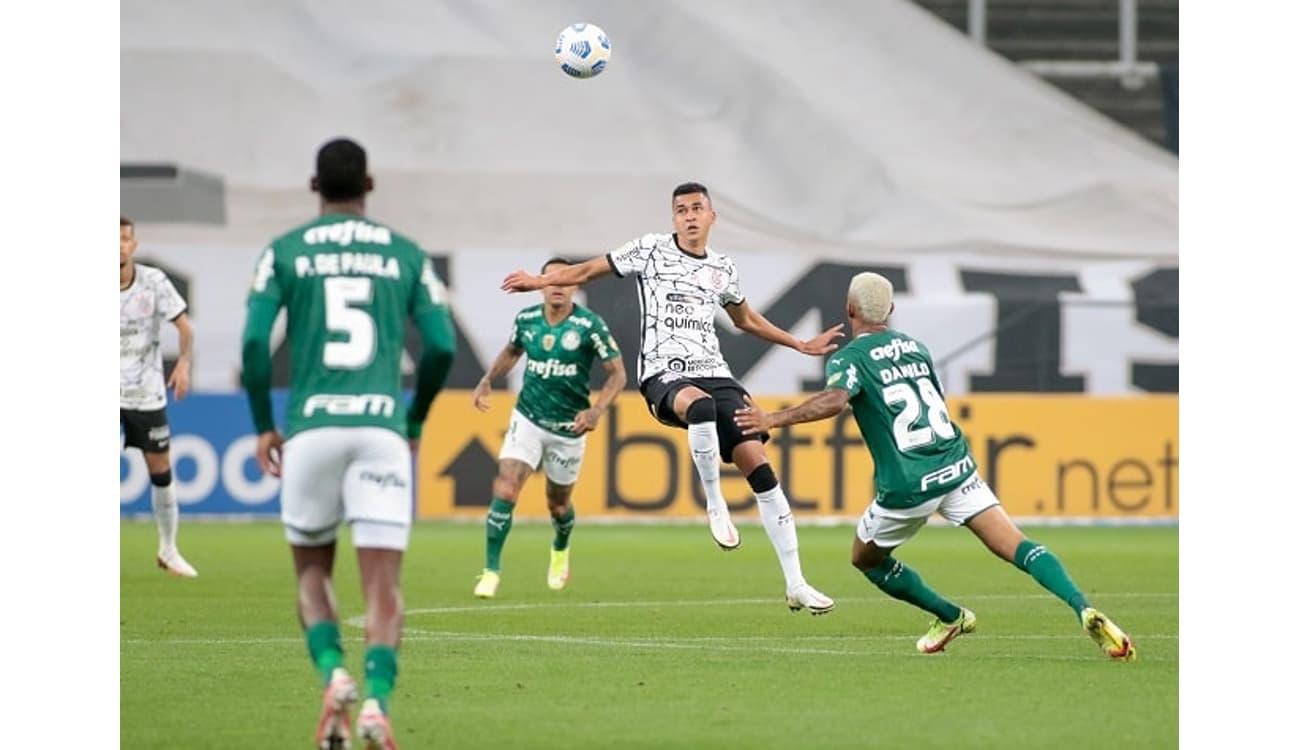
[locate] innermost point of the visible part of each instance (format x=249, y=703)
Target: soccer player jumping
x=684, y=379
x=922, y=466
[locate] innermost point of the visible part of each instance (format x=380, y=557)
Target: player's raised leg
x=166, y=513
x=698, y=411
x=778, y=522
x=1004, y=539
x=511, y=476
x=879, y=533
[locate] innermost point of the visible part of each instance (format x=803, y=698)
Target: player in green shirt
x=551, y=418
x=348, y=285
x=922, y=466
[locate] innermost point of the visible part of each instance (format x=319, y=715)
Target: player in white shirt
x=147, y=299
x=684, y=379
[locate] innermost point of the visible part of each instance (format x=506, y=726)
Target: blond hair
x=872, y=296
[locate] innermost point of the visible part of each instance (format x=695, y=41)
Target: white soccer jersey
x=678, y=292
x=149, y=301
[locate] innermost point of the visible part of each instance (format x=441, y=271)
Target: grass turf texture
x=660, y=641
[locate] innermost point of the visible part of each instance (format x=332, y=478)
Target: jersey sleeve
x=430, y=294
x=632, y=257
x=842, y=373
x=170, y=302
x=602, y=342
x=517, y=334
x=730, y=294
x=266, y=285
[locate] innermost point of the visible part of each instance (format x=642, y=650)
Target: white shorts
x=890, y=527
x=560, y=456
x=361, y=475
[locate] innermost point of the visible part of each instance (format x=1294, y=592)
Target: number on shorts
x=907, y=433
x=341, y=293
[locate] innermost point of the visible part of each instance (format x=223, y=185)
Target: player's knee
x=506, y=488
x=702, y=411
x=879, y=568
x=161, y=478
x=157, y=463
x=762, y=479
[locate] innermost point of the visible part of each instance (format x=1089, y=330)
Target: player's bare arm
x=754, y=323
x=560, y=275
x=753, y=420
x=180, y=379
x=615, y=379
x=505, y=362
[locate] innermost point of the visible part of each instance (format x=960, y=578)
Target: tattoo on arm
x=615, y=379
x=828, y=403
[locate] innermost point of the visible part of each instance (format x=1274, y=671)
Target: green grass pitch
x=660, y=641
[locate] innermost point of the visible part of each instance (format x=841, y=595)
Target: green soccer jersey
x=918, y=451
x=348, y=286
x=559, y=364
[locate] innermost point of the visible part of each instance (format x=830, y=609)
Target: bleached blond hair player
x=148, y=298
x=922, y=466
x=685, y=380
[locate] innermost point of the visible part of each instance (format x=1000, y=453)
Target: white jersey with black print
x=149, y=301
x=678, y=293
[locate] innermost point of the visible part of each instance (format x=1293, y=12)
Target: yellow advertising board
x=1046, y=456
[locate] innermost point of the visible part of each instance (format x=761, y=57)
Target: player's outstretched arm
x=560, y=275
x=754, y=323
x=753, y=420
x=615, y=379
x=439, y=338
x=504, y=363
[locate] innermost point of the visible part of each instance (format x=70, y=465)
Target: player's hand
x=586, y=420
x=481, y=393
x=268, y=452
x=522, y=281
x=751, y=419
x=823, y=342
x=180, y=379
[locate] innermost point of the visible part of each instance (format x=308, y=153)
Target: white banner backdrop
x=1101, y=327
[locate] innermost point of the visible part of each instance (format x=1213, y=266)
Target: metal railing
x=1131, y=72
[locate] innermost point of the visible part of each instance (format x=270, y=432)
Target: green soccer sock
x=905, y=584
x=500, y=516
x=563, y=528
x=381, y=673
x=325, y=645
x=1039, y=562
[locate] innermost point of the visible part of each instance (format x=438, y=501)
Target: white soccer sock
x=778, y=521
x=703, y=441
x=167, y=514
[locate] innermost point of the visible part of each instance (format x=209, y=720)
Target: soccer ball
x=582, y=50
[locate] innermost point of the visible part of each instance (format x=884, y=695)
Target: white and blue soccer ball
x=582, y=50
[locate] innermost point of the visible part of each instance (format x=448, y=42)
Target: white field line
x=746, y=644
x=486, y=607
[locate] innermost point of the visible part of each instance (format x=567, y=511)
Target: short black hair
x=686, y=188
x=556, y=259
x=127, y=223
x=341, y=170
